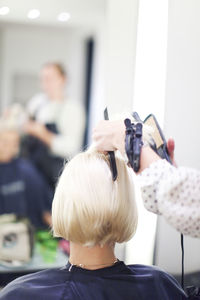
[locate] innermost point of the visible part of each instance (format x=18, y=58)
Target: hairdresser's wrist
x=148, y=156
x=119, y=137
x=109, y=135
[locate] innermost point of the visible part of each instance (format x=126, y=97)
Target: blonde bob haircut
x=88, y=207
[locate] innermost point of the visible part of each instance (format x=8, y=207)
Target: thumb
x=170, y=148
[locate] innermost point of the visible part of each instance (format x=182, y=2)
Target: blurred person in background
x=56, y=124
x=23, y=190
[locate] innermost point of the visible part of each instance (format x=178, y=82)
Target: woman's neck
x=92, y=257
x=57, y=96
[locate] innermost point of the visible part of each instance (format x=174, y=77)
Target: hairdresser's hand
x=109, y=136
x=39, y=131
x=170, y=148
x=148, y=156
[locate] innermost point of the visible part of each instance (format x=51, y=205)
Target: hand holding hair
x=109, y=136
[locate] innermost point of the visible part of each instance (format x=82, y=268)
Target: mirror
x=47, y=57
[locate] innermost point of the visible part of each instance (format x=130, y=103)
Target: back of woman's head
x=88, y=207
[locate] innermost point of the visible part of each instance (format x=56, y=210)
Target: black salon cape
x=119, y=282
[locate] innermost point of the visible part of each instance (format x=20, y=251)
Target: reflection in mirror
x=47, y=53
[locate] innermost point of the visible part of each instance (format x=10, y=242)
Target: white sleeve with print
x=173, y=193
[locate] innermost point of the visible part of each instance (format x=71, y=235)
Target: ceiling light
x=64, y=17
x=33, y=14
x=4, y=10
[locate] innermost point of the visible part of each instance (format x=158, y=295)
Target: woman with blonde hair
x=94, y=212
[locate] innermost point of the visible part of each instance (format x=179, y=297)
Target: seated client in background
x=93, y=213
x=23, y=191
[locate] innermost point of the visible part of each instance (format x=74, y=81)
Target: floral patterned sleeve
x=173, y=193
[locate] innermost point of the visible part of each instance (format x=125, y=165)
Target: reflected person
x=56, y=126
x=23, y=190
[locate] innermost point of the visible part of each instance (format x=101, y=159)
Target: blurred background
x=140, y=55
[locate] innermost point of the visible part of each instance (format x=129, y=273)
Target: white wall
x=26, y=48
x=151, y=56
x=181, y=97
x=182, y=118
x=121, y=31
x=98, y=102
x=120, y=54
x=149, y=97
x=114, y=63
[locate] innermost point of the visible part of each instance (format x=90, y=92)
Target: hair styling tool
x=113, y=165
x=133, y=143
